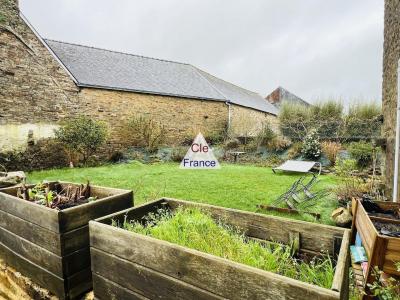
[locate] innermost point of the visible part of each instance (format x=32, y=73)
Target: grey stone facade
x=391, y=56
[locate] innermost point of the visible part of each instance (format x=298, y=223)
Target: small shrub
x=331, y=150
x=215, y=138
x=348, y=189
x=45, y=154
x=278, y=144
x=116, y=157
x=295, y=150
x=143, y=131
x=265, y=135
x=362, y=152
x=311, y=146
x=345, y=167
x=178, y=153
x=231, y=144
x=82, y=135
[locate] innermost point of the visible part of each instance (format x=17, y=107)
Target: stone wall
x=34, y=88
x=248, y=122
x=391, y=56
x=182, y=118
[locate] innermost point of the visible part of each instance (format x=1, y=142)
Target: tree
x=82, y=135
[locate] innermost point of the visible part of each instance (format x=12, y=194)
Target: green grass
x=235, y=186
x=197, y=230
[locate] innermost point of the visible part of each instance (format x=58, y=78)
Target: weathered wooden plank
x=32, y=252
x=47, y=239
x=341, y=278
x=142, y=280
x=315, y=237
x=39, y=275
x=38, y=214
x=217, y=275
x=76, y=261
x=74, y=240
x=105, y=289
x=136, y=212
x=79, y=283
x=75, y=217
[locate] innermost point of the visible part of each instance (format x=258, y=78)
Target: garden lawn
x=235, y=186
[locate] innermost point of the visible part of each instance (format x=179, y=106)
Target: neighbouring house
x=43, y=82
x=281, y=95
x=391, y=56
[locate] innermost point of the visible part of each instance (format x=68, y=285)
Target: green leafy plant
x=82, y=135
x=311, y=146
x=196, y=229
x=386, y=289
x=345, y=167
x=362, y=152
x=143, y=131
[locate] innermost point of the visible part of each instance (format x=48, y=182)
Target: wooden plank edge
x=269, y=276
x=104, y=289
x=342, y=264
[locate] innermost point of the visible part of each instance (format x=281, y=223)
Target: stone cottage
x=391, y=56
x=43, y=82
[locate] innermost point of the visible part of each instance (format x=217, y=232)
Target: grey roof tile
x=101, y=68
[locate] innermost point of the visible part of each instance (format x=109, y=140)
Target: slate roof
x=99, y=68
x=281, y=95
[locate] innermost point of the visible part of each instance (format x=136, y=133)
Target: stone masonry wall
x=247, y=122
x=391, y=56
x=183, y=118
x=34, y=89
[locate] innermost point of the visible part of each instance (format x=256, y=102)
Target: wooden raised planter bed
x=126, y=265
x=382, y=251
x=52, y=246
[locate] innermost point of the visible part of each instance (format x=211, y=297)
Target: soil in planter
x=195, y=229
x=57, y=197
x=389, y=229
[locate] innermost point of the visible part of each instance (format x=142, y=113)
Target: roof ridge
x=233, y=84
x=208, y=81
x=119, y=52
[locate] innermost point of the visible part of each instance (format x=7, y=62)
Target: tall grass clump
x=193, y=228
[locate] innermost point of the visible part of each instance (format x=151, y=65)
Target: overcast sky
x=316, y=49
